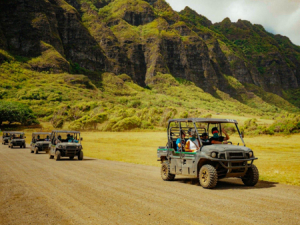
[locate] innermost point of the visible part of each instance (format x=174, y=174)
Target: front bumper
x=17, y=144
x=231, y=163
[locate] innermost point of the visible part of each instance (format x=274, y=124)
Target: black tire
x=251, y=177
x=31, y=151
x=24, y=146
x=208, y=176
x=36, y=150
x=71, y=157
x=80, y=156
x=57, y=155
x=165, y=172
x=51, y=156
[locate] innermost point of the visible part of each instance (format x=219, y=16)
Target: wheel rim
x=204, y=176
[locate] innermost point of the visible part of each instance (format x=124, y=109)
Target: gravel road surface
x=37, y=190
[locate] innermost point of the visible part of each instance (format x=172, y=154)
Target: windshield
x=41, y=137
x=68, y=137
x=221, y=132
x=17, y=136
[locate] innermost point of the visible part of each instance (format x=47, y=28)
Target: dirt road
x=37, y=190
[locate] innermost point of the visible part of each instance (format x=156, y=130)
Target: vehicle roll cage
x=209, y=121
x=54, y=135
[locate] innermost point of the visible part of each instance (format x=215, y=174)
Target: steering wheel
x=229, y=142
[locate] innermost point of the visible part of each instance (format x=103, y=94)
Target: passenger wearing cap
x=204, y=138
x=180, y=142
x=193, y=144
x=216, y=138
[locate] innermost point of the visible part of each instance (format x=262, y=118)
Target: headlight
x=250, y=154
x=214, y=154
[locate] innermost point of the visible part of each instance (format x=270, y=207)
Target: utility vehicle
x=5, y=137
x=40, y=142
x=65, y=144
x=16, y=138
x=212, y=161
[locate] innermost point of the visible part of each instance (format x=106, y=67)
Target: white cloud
x=277, y=16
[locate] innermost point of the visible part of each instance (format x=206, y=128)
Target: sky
x=277, y=16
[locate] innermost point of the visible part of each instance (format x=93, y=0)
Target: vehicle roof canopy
x=204, y=120
x=35, y=133
x=16, y=132
x=66, y=131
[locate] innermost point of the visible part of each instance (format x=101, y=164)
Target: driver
x=193, y=144
x=216, y=139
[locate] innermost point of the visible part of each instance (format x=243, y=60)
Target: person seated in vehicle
x=193, y=144
x=58, y=140
x=216, y=138
x=204, y=138
x=180, y=142
x=38, y=138
x=7, y=135
x=47, y=138
x=68, y=137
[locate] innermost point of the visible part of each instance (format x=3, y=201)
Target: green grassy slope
x=115, y=103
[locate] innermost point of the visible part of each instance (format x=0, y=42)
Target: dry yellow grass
x=279, y=156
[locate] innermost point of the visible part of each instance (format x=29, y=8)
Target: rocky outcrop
x=25, y=23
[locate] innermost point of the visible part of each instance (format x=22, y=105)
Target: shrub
x=250, y=124
x=184, y=115
x=57, y=122
x=127, y=124
x=135, y=104
x=13, y=112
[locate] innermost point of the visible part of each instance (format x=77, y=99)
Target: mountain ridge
x=144, y=38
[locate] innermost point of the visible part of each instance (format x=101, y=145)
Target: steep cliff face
x=263, y=52
x=141, y=38
x=30, y=26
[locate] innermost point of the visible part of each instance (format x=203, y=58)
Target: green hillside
x=118, y=65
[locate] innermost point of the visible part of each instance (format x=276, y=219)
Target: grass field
x=279, y=156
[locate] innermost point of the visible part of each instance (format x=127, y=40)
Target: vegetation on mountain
x=15, y=112
x=117, y=65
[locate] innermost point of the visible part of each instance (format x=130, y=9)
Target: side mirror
x=81, y=139
x=242, y=133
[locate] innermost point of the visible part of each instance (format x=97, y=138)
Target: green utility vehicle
x=211, y=161
x=5, y=137
x=17, y=138
x=40, y=142
x=65, y=144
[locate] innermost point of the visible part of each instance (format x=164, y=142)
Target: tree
x=16, y=112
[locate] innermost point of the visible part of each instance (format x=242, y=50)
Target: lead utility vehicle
x=65, y=144
x=17, y=138
x=212, y=161
x=5, y=137
x=40, y=142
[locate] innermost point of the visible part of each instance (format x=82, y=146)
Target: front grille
x=236, y=155
x=71, y=153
